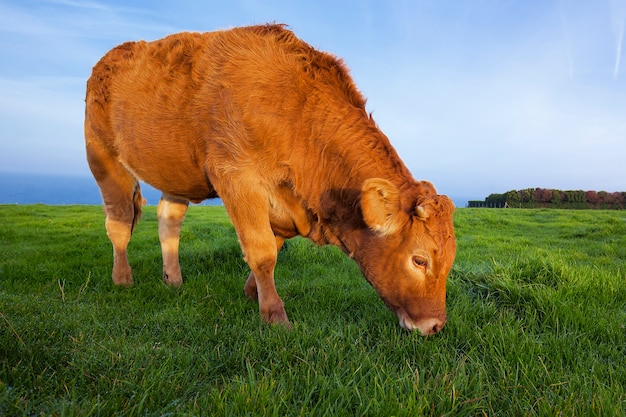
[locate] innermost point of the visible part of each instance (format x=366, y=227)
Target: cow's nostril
x=437, y=327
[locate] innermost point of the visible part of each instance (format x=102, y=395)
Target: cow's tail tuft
x=138, y=202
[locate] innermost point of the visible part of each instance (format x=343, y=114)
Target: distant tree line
x=549, y=198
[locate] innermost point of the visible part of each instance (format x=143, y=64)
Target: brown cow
x=278, y=130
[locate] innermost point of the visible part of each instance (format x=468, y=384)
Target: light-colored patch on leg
x=250, y=287
x=170, y=214
x=119, y=234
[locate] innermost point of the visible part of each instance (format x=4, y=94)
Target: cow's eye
x=420, y=261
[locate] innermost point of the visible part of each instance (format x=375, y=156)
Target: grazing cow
x=280, y=133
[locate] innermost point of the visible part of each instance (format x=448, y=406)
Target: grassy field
x=536, y=307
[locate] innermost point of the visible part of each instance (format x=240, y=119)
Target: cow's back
x=187, y=107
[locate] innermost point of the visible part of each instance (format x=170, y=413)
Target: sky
x=477, y=96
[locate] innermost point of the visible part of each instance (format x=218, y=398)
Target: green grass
x=536, y=323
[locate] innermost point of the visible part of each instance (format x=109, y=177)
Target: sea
x=20, y=188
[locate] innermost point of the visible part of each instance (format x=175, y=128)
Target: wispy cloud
x=618, y=55
x=618, y=22
x=80, y=4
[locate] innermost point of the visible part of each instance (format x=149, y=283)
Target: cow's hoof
x=123, y=279
x=285, y=324
x=123, y=282
x=278, y=317
x=251, y=293
x=250, y=288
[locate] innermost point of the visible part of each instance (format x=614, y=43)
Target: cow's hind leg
x=171, y=213
x=122, y=213
x=122, y=206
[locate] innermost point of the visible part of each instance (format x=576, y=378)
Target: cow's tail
x=138, y=202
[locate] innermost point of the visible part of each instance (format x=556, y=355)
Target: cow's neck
x=352, y=151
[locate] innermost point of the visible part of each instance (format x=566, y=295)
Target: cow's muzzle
x=427, y=326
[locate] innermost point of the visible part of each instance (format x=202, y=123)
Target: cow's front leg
x=260, y=254
x=258, y=243
x=170, y=214
x=271, y=306
x=250, y=287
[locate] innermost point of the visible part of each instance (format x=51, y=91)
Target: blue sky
x=476, y=96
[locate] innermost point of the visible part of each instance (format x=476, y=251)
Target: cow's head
x=407, y=252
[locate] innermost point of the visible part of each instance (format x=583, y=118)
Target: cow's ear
x=380, y=203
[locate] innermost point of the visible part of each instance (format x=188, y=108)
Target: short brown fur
x=278, y=130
